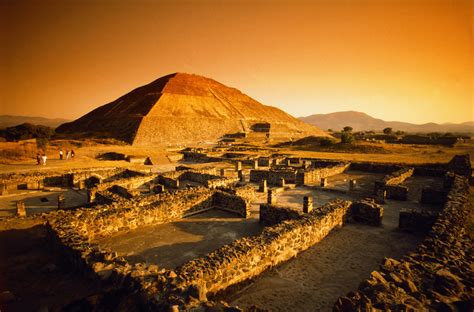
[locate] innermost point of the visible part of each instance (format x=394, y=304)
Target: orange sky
x=408, y=60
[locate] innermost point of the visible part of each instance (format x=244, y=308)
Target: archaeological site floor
x=246, y=227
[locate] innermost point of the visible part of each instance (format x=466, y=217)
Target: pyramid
x=186, y=108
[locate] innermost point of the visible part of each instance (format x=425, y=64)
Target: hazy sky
x=408, y=60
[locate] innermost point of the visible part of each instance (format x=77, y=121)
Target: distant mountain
x=361, y=121
x=10, y=120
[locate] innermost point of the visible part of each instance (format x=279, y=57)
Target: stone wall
x=420, y=221
x=273, y=176
x=436, y=277
x=274, y=214
x=247, y=257
x=390, y=184
x=367, y=211
x=231, y=203
x=314, y=175
x=433, y=196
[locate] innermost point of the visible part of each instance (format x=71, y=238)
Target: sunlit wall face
x=408, y=60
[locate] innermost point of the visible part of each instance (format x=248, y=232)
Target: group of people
x=42, y=158
x=70, y=154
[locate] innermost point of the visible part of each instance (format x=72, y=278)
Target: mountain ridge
x=15, y=120
x=360, y=121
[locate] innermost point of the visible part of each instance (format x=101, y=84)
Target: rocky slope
x=185, y=108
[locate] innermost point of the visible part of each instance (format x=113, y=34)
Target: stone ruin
x=435, y=276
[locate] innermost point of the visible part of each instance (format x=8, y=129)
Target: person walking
x=44, y=158
x=60, y=154
x=72, y=154
x=38, y=159
x=67, y=154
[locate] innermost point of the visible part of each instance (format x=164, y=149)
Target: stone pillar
x=255, y=164
x=40, y=184
x=176, y=183
x=271, y=199
x=158, y=188
x=241, y=176
x=20, y=208
x=274, y=162
x=381, y=195
x=91, y=195
x=324, y=182
x=307, y=204
x=222, y=172
x=281, y=182
x=61, y=201
x=81, y=184
x=3, y=189
x=238, y=166
x=263, y=186
x=352, y=184
x=288, y=162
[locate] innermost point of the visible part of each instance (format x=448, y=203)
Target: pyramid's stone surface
x=185, y=108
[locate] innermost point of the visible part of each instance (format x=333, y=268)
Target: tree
x=399, y=132
x=347, y=129
x=387, y=130
x=347, y=137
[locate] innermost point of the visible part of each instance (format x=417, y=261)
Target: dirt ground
x=172, y=244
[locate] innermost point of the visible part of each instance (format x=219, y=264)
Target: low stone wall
x=231, y=203
x=398, y=176
x=433, y=196
x=397, y=192
x=437, y=277
x=390, y=184
x=128, y=183
x=367, y=211
x=314, y=175
x=274, y=214
x=208, y=180
x=420, y=221
x=247, y=257
x=273, y=176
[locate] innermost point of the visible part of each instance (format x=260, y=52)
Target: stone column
x=307, y=204
x=281, y=182
x=271, y=199
x=222, y=172
x=3, y=189
x=255, y=164
x=61, y=201
x=159, y=188
x=238, y=166
x=176, y=183
x=288, y=162
x=20, y=208
x=91, y=195
x=381, y=195
x=324, y=182
x=81, y=184
x=241, y=176
x=352, y=184
x=263, y=186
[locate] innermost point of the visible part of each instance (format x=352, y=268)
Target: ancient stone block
x=271, y=198
x=20, y=208
x=352, y=185
x=367, y=211
x=61, y=201
x=222, y=172
x=263, y=186
x=307, y=204
x=238, y=166
x=381, y=196
x=255, y=164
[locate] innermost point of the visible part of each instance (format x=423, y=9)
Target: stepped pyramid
x=186, y=108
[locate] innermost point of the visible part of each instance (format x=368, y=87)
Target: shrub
x=347, y=138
